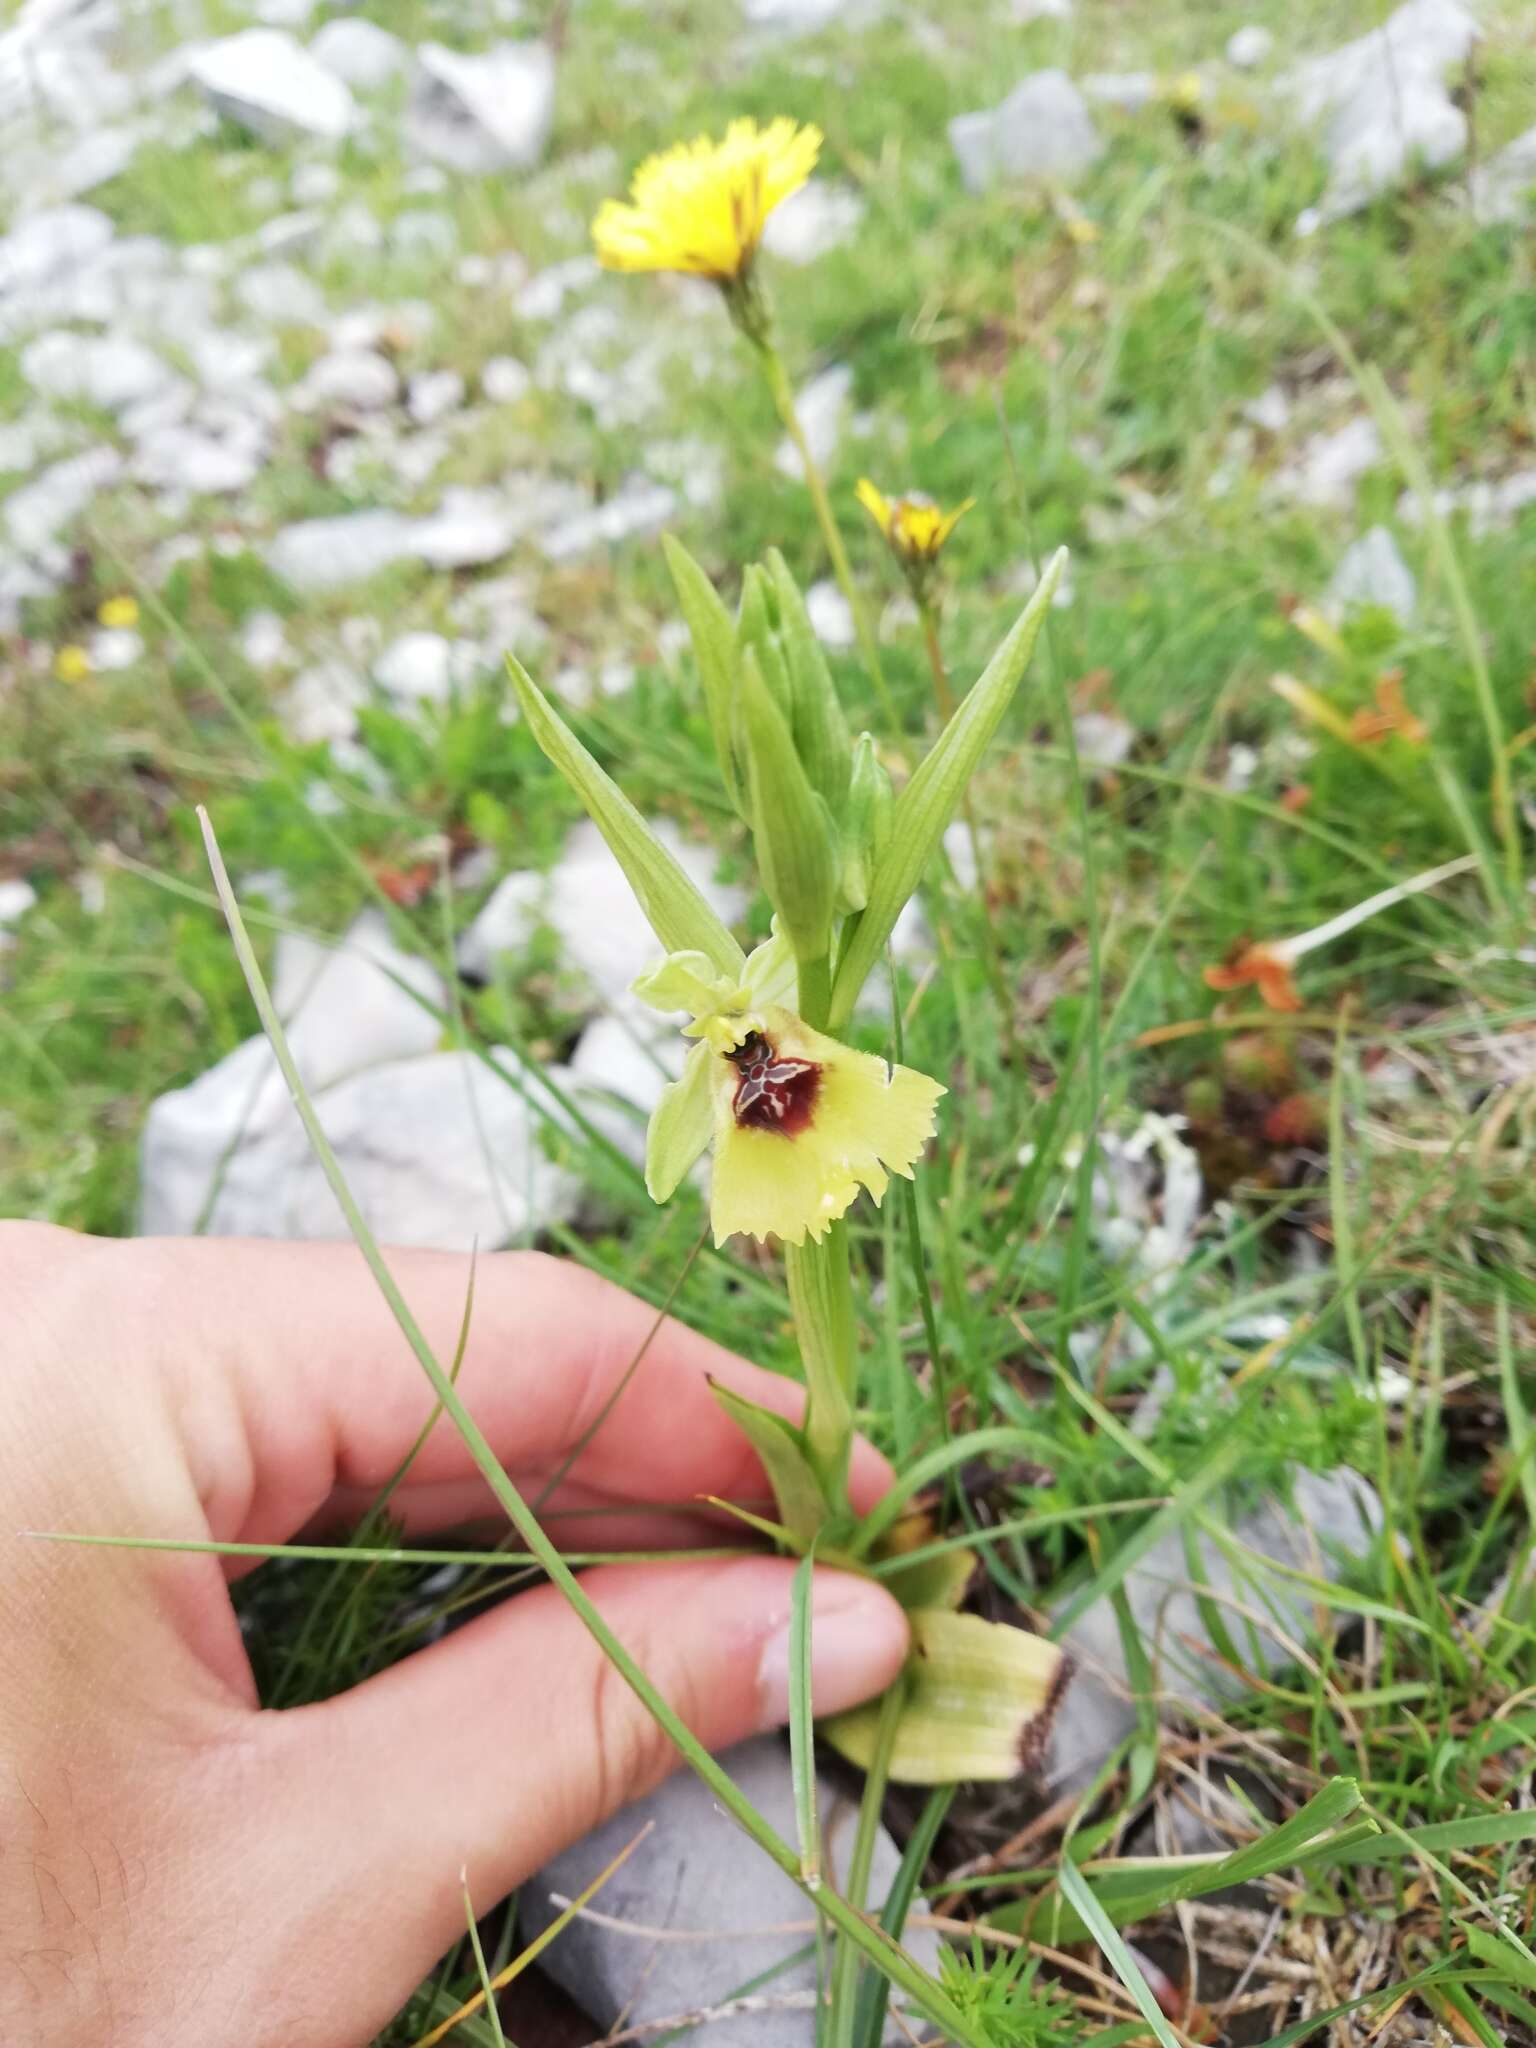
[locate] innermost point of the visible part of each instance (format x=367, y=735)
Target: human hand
x=179, y=1866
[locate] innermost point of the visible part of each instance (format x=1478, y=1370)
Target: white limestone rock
x=830, y=614
x=504, y=380
x=107, y=371
x=489, y=112
x=823, y=406
x=51, y=244
x=278, y=295
x=432, y=394
x=1042, y=130
x=437, y=1148
x=1382, y=104
x=265, y=81
x=1372, y=572
x=1327, y=468
x=1329, y=1525
x=695, y=1870
x=819, y=217
x=322, y=702
x=355, y=379
x=363, y=55
x=470, y=527
x=587, y=903
x=416, y=668
x=40, y=511
x=1250, y=46
x=1503, y=188
x=638, y=506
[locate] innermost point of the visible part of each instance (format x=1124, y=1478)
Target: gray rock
x=489, y=112
x=438, y=1149
x=1502, y=188
x=638, y=506
x=280, y=296
x=323, y=702
x=361, y=54
x=830, y=614
x=314, y=184
x=542, y=296
x=265, y=81
x=1042, y=130
x=1329, y=1525
x=1382, y=106
x=696, y=1871
x=184, y=459
x=1128, y=91
x=1250, y=46
x=470, y=527
x=818, y=217
x=356, y=379
x=423, y=232
x=37, y=513
x=432, y=394
x=1372, y=572
x=416, y=667
x=587, y=903
x=106, y=371
x=49, y=245
x=1327, y=468
x=504, y=380
x=1490, y=505
x=264, y=643
x=17, y=897
x=823, y=406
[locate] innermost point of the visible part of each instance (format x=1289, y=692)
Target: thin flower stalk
x=700, y=208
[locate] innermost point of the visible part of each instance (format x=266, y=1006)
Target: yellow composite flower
x=914, y=526
x=700, y=207
x=119, y=612
x=799, y=1122
x=71, y=664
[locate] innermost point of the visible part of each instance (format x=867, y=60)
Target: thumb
x=507, y=1740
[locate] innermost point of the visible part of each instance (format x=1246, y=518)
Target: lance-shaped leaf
x=933, y=795
x=821, y=730
x=790, y=826
x=803, y=1508
x=980, y=1702
x=680, y=1127
x=713, y=633
x=819, y=1294
x=674, y=909
x=867, y=823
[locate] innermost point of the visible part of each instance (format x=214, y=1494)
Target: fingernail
x=858, y=1642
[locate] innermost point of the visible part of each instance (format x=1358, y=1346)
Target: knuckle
x=633, y=1751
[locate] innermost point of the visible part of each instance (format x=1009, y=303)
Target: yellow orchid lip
x=802, y=1123
x=701, y=206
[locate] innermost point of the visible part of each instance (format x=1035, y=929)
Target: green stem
x=815, y=991
x=821, y=1296
x=887, y=1954
x=784, y=401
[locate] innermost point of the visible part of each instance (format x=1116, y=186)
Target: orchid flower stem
x=784, y=400
x=821, y=1296
x=944, y=696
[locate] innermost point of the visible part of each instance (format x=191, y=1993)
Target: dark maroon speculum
x=773, y=1094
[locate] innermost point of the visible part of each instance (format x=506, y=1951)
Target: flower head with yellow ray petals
x=799, y=1122
x=915, y=528
x=701, y=206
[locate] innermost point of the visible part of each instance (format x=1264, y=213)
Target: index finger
x=330, y=1395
